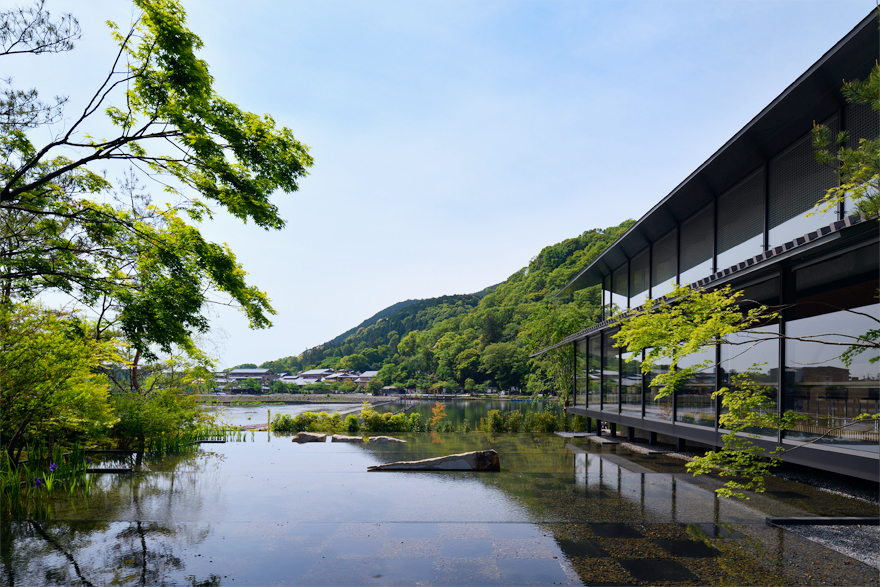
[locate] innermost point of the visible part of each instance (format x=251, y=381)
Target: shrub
x=579, y=424
x=514, y=421
x=416, y=423
x=308, y=422
x=352, y=426
x=495, y=421
x=545, y=422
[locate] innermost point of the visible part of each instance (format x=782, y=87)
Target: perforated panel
x=862, y=122
x=797, y=180
x=664, y=266
x=697, y=238
x=741, y=212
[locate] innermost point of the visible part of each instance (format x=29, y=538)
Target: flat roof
x=813, y=97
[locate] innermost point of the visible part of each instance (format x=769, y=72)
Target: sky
x=454, y=140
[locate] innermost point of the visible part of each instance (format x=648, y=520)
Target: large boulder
x=381, y=439
x=481, y=460
x=343, y=438
x=302, y=437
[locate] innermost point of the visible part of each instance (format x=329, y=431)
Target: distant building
x=264, y=375
x=365, y=377
x=316, y=374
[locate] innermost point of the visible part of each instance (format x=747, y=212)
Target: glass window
x=694, y=403
x=664, y=266
x=639, y=270
x=818, y=384
x=606, y=297
x=610, y=372
x=741, y=221
x=797, y=182
x=828, y=392
x=697, y=245
x=631, y=383
x=758, y=347
x=657, y=408
x=594, y=371
x=580, y=373
x=619, y=288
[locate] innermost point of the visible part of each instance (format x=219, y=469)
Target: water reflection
x=560, y=511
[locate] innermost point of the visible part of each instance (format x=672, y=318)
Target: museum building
x=741, y=219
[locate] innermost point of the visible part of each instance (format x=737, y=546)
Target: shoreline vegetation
x=347, y=398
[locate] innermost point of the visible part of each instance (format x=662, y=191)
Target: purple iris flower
x=37, y=482
x=88, y=460
x=52, y=467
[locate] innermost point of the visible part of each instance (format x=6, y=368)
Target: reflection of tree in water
x=136, y=553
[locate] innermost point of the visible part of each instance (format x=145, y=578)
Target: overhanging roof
x=814, y=96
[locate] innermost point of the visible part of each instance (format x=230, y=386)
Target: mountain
x=473, y=339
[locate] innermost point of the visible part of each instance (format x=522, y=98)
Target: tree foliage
x=146, y=269
x=50, y=387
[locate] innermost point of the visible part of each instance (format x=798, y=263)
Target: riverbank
x=342, y=398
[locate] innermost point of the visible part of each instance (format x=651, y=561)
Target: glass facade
x=694, y=402
x=631, y=383
x=619, y=288
x=594, y=370
x=610, y=372
x=756, y=351
x=827, y=392
x=741, y=221
x=835, y=302
x=606, y=297
x=580, y=373
x=657, y=408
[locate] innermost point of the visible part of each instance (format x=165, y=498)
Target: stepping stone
x=687, y=548
x=615, y=531
x=302, y=437
x=588, y=548
x=481, y=460
x=656, y=570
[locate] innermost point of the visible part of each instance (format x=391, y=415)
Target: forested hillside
x=477, y=340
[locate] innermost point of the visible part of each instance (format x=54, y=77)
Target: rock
x=342, y=438
x=481, y=460
x=381, y=439
x=302, y=437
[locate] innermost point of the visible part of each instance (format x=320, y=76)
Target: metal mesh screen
x=697, y=238
x=638, y=273
x=664, y=268
x=797, y=180
x=862, y=122
x=741, y=212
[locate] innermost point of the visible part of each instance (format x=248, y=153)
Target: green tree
x=146, y=269
x=49, y=386
x=506, y=363
x=375, y=385
x=467, y=365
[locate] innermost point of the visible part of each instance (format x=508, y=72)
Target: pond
x=561, y=511
x=456, y=410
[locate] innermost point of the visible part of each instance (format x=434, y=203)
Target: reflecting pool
x=561, y=511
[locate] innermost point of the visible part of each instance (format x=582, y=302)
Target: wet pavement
x=561, y=511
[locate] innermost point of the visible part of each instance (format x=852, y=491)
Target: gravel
x=859, y=542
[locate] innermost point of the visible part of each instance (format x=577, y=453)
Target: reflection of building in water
x=740, y=220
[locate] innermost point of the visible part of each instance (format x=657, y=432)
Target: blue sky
x=453, y=140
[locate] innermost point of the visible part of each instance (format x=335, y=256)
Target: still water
x=561, y=511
